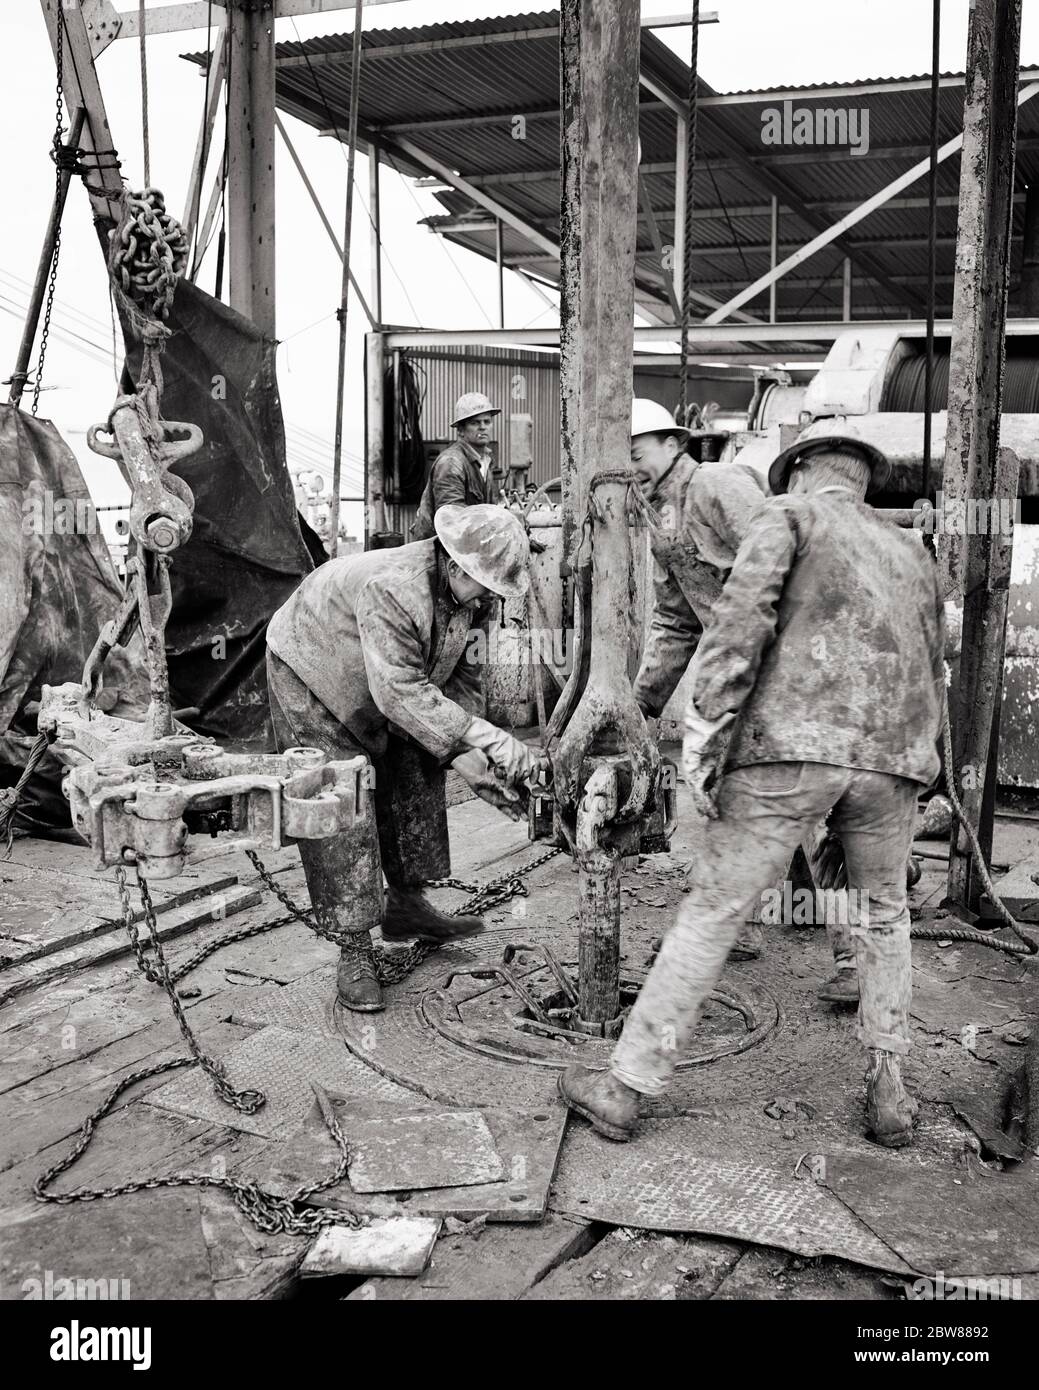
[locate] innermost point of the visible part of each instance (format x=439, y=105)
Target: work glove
x=704, y=750
x=517, y=762
x=827, y=863
x=474, y=769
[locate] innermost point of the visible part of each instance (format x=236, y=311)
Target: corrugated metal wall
x=520, y=382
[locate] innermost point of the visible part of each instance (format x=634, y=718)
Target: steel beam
x=204, y=143
x=250, y=163
x=193, y=14
x=765, y=177
x=312, y=192
x=977, y=567
x=834, y=235
x=599, y=93
x=375, y=223
x=83, y=89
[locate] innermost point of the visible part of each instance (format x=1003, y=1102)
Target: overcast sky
x=757, y=43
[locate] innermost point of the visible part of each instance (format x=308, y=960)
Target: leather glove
x=704, y=750
x=517, y=762
x=474, y=769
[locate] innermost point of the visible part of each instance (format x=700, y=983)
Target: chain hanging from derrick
x=56, y=154
x=687, y=213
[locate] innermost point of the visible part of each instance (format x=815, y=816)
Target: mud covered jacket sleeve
x=673, y=638
x=466, y=684
x=395, y=666
x=743, y=623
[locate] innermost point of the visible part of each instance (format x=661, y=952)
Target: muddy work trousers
x=765, y=812
x=405, y=838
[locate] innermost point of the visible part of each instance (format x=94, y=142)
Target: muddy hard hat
x=487, y=542
x=879, y=464
x=647, y=417
x=472, y=403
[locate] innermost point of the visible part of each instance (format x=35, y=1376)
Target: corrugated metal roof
x=455, y=89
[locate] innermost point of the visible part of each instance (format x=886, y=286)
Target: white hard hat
x=647, y=417
x=489, y=543
x=470, y=404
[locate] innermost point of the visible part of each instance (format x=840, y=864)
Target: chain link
x=37, y=385
x=391, y=969
x=267, y=1211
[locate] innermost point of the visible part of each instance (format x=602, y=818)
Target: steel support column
x=604, y=761
x=975, y=567
x=374, y=441
x=250, y=163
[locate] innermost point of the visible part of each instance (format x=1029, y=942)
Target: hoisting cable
x=687, y=213
x=145, y=138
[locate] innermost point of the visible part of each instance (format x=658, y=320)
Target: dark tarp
x=247, y=551
x=57, y=588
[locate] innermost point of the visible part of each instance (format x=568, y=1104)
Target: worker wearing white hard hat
x=461, y=473
x=703, y=511
x=378, y=655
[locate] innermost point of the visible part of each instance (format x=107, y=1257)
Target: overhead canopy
x=479, y=100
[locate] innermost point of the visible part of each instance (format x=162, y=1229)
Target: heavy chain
x=247, y=1102
x=149, y=252
x=268, y=1212
x=391, y=969
x=56, y=155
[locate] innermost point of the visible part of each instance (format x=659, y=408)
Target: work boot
x=611, y=1106
x=357, y=983
x=841, y=988
x=890, y=1110
x=409, y=915
x=750, y=943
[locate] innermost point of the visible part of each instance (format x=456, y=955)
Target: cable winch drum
x=904, y=391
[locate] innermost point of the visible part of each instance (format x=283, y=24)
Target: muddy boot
x=409, y=915
x=841, y=988
x=611, y=1106
x=890, y=1110
x=750, y=943
x=357, y=983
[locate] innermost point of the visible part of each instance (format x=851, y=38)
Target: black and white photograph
x=519, y=681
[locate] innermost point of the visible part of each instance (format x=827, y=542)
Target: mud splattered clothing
x=827, y=643
x=704, y=511
x=381, y=642
x=460, y=474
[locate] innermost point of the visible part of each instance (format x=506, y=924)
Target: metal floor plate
x=282, y=1063
x=678, y=1175
x=402, y=1153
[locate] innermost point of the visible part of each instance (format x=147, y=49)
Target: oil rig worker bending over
x=372, y=655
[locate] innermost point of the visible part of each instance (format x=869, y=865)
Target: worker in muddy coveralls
x=372, y=654
x=703, y=510
x=818, y=686
x=461, y=473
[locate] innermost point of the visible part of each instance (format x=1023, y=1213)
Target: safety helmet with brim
x=470, y=405
x=649, y=417
x=488, y=543
x=877, y=461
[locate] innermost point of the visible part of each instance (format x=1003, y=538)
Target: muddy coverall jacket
x=828, y=640
x=379, y=639
x=704, y=511
x=378, y=643
x=456, y=476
